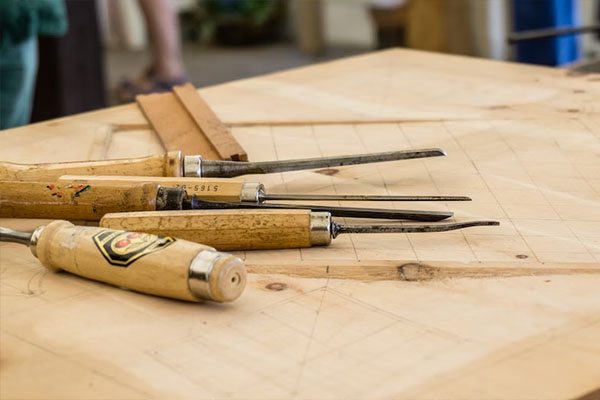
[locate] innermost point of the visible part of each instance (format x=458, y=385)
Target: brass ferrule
x=192, y=166
x=320, y=228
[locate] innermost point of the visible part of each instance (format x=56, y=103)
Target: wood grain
x=168, y=164
x=183, y=121
x=74, y=202
x=526, y=150
x=205, y=188
x=210, y=125
x=222, y=229
x=382, y=270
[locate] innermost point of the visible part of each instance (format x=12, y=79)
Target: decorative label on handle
x=123, y=248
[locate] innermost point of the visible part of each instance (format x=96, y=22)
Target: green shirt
x=23, y=19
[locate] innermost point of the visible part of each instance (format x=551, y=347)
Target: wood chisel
x=234, y=191
x=174, y=164
x=91, y=202
x=147, y=263
x=259, y=229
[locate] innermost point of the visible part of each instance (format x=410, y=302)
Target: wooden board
x=523, y=141
x=184, y=122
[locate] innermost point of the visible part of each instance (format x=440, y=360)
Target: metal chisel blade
x=353, y=212
x=358, y=197
x=217, y=168
x=396, y=228
x=11, y=236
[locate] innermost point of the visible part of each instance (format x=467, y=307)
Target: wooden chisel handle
x=206, y=188
x=73, y=202
x=161, y=266
x=168, y=164
x=232, y=229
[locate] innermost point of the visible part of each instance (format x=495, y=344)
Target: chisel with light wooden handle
x=89, y=202
x=234, y=191
x=174, y=164
x=259, y=229
x=147, y=263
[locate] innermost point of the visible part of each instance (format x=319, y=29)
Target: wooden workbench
x=497, y=312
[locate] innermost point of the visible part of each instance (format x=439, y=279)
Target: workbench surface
x=491, y=312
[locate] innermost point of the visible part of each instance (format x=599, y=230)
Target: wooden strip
x=210, y=125
x=174, y=126
x=381, y=270
x=183, y=121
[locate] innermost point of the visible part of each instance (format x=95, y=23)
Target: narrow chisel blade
x=396, y=228
x=358, y=197
x=353, y=212
x=11, y=236
x=225, y=169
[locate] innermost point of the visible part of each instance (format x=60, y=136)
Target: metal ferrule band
x=35, y=237
x=251, y=192
x=192, y=166
x=199, y=274
x=320, y=228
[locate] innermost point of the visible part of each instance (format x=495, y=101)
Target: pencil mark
x=425, y=328
x=79, y=364
x=310, y=340
x=34, y=289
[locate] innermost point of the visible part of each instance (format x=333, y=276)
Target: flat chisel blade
x=228, y=169
x=353, y=212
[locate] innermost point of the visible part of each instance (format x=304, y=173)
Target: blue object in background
x=539, y=14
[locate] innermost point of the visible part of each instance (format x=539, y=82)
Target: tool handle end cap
x=227, y=279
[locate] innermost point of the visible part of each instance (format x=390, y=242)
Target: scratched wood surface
x=506, y=312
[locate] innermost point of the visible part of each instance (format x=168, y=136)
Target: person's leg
x=18, y=69
x=163, y=28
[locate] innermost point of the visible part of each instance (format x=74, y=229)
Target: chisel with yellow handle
x=147, y=263
x=234, y=191
x=259, y=229
x=89, y=202
x=174, y=164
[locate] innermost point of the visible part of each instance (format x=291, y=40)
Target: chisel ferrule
x=203, y=276
x=33, y=240
x=320, y=228
x=170, y=198
x=192, y=166
x=252, y=192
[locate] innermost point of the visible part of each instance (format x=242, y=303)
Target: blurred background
x=115, y=49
